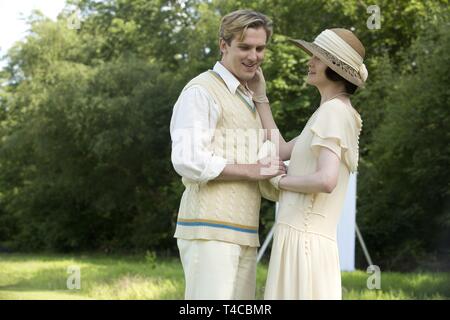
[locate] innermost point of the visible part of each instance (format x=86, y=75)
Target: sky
x=12, y=19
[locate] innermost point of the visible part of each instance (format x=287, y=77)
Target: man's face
x=242, y=58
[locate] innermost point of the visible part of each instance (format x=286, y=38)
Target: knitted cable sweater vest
x=225, y=210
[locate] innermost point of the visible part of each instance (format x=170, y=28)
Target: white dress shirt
x=192, y=126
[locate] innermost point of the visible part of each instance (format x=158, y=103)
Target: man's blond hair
x=237, y=23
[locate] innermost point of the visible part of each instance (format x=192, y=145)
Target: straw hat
x=340, y=50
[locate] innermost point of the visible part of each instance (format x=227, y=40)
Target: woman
x=304, y=262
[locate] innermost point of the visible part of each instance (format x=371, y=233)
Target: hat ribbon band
x=331, y=42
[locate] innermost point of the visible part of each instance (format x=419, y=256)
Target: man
x=217, y=226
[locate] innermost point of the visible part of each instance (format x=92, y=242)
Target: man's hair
x=350, y=88
x=237, y=22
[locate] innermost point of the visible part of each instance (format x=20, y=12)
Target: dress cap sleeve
x=336, y=128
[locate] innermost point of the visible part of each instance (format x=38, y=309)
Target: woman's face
x=316, y=72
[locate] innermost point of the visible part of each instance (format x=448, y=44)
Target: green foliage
x=407, y=174
x=80, y=145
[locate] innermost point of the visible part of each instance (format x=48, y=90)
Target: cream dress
x=304, y=262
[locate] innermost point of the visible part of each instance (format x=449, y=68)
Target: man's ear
x=222, y=46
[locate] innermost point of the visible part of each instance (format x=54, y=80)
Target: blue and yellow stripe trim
x=216, y=224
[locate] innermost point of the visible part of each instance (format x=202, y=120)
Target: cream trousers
x=217, y=270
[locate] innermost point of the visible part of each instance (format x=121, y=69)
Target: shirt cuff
x=275, y=181
x=213, y=169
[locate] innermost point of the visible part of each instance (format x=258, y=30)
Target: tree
x=408, y=175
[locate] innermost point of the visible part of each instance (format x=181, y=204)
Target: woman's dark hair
x=350, y=88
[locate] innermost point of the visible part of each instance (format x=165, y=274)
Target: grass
x=146, y=277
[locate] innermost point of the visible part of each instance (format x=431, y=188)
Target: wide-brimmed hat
x=340, y=50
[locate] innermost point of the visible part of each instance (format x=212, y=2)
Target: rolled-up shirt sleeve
x=194, y=120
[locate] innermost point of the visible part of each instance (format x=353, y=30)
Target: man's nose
x=252, y=55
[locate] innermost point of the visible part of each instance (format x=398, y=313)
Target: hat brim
x=341, y=68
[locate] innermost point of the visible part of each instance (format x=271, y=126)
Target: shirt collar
x=229, y=79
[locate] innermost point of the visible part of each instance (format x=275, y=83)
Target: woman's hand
x=258, y=86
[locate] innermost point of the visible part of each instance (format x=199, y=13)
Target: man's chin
x=247, y=76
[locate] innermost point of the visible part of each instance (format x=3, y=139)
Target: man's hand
x=258, y=86
x=267, y=168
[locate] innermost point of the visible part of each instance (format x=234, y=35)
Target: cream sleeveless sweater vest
x=225, y=210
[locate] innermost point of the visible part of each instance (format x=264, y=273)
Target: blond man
x=218, y=218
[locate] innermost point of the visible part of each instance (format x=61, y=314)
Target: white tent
x=346, y=228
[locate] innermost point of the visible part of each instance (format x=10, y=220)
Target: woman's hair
x=350, y=88
x=237, y=22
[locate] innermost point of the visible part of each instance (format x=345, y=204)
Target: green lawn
x=132, y=277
